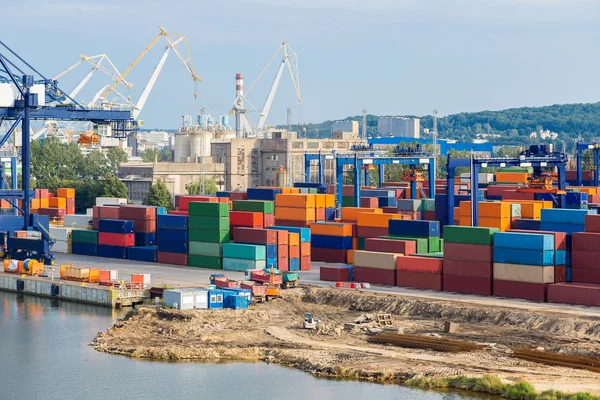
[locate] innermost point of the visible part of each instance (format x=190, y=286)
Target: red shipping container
x=172, y=258
x=106, y=212
x=245, y=218
x=370, y=232
x=347, y=190
x=144, y=226
x=521, y=290
x=560, y=273
x=137, y=278
x=184, y=201
x=467, y=285
x=498, y=190
x=282, y=250
x=70, y=210
x=268, y=220
x=369, y=202
x=334, y=274
x=283, y=264
x=116, y=239
x=418, y=280
x=177, y=212
x=429, y=215
x=238, y=196
x=560, y=238
x=53, y=213
x=282, y=237
x=581, y=275
x=465, y=268
x=305, y=263
x=319, y=214
x=413, y=215
x=145, y=213
x=70, y=203
x=288, y=222
x=574, y=293
x=470, y=252
x=41, y=193
x=388, y=210
x=255, y=235
x=95, y=224
x=592, y=223
x=586, y=241
x=304, y=249
x=294, y=251
x=514, y=195
x=329, y=255
x=405, y=247
x=424, y=265
x=375, y=276
x=585, y=259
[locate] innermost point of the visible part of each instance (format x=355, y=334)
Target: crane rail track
x=559, y=360
x=426, y=343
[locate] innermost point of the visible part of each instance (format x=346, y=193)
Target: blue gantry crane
x=33, y=99
x=595, y=149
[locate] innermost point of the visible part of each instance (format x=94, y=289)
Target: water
x=44, y=354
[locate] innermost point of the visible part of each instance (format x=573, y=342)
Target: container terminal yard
x=415, y=281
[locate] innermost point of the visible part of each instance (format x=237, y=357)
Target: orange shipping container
x=488, y=209
x=35, y=204
x=501, y=223
x=584, y=189
x=376, y=220
x=329, y=201
x=295, y=200
x=331, y=229
x=295, y=214
x=95, y=274
x=58, y=202
x=293, y=239
x=319, y=200
x=44, y=203
x=350, y=256
x=351, y=213
x=66, y=193
x=512, y=177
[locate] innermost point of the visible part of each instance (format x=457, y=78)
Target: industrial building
x=399, y=127
x=345, y=126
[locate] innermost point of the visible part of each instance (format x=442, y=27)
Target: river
x=44, y=354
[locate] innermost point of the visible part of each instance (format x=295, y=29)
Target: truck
x=283, y=279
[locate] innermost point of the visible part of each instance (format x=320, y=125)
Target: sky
x=392, y=57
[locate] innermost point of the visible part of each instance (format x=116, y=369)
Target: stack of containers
x=208, y=229
x=374, y=267
x=524, y=264
x=69, y=196
x=370, y=225
x=78, y=221
x=241, y=257
x=491, y=214
x=468, y=259
x=245, y=219
x=305, y=246
x=172, y=237
x=586, y=252
x=331, y=241
x=265, y=208
x=412, y=209
x=369, y=202
x=385, y=198
x=424, y=233
x=350, y=215
x=115, y=237
x=336, y=273
x=144, y=222
x=297, y=209
x=84, y=242
x=143, y=253
x=348, y=196
x=104, y=212
x=62, y=235
x=428, y=209
x=419, y=272
x=294, y=251
x=265, y=237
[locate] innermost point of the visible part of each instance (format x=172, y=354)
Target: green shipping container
x=205, y=261
x=312, y=190
x=208, y=223
x=209, y=209
x=433, y=244
x=208, y=236
x=265, y=207
x=347, y=201
x=437, y=254
x=360, y=243
x=236, y=264
x=422, y=243
x=469, y=234
x=245, y=251
x=205, y=249
x=428, y=204
x=84, y=236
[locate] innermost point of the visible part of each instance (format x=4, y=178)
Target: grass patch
x=493, y=385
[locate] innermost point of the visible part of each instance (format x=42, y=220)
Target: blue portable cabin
x=215, y=298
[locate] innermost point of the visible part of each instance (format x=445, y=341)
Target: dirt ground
x=272, y=332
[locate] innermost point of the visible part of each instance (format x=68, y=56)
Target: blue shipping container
x=215, y=298
x=142, y=253
x=331, y=242
x=515, y=240
x=222, y=194
x=237, y=302
x=84, y=249
x=387, y=201
x=576, y=198
x=568, y=258
x=406, y=227
x=115, y=226
x=262, y=194
x=558, y=227
x=112, y=251
x=173, y=246
x=569, y=275
x=303, y=232
x=172, y=234
x=560, y=257
x=272, y=263
x=271, y=251
x=523, y=257
x=145, y=239
x=528, y=224
x=564, y=216
x=329, y=214
x=171, y=222
x=161, y=211
x=294, y=264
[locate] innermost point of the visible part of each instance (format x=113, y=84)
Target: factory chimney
x=239, y=94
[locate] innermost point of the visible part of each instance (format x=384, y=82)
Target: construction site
x=345, y=257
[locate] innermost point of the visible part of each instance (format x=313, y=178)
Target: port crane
x=289, y=59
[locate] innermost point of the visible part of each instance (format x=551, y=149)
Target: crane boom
x=267, y=107
x=85, y=80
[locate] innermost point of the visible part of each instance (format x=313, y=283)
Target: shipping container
x=112, y=251
x=208, y=236
x=469, y=235
x=244, y=251
x=205, y=261
x=336, y=273
x=574, y=293
x=174, y=222
x=85, y=249
x=116, y=239
x=351, y=213
x=165, y=257
x=467, y=285
x=236, y=264
x=329, y=255
x=205, y=249
x=520, y=290
x=138, y=213
x=84, y=236
x=209, y=223
x=523, y=273
x=171, y=234
x=331, y=229
x=146, y=239
x=524, y=256
x=472, y=252
x=115, y=226
x=372, y=259
x=209, y=209
x=423, y=265
x=173, y=246
x=331, y=242
x=376, y=276
x=414, y=228
x=419, y=280
x=303, y=232
x=142, y=253
x=466, y=268
x=525, y=241
x=406, y=247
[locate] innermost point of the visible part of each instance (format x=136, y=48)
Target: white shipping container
x=77, y=221
x=61, y=246
x=34, y=235
x=89, y=212
x=101, y=201
x=60, y=233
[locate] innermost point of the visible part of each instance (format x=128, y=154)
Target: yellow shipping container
x=330, y=201
x=295, y=214
x=44, y=203
x=331, y=229
x=94, y=274
x=295, y=200
x=376, y=220
x=35, y=204
x=319, y=201
x=351, y=213
x=512, y=177
x=66, y=193
x=58, y=202
x=584, y=189
x=293, y=239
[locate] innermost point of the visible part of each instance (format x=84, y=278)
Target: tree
x=151, y=155
x=159, y=196
x=116, y=156
x=113, y=187
x=195, y=188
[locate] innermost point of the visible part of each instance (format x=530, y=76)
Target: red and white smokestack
x=239, y=85
x=239, y=94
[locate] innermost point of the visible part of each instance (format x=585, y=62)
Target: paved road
x=189, y=276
